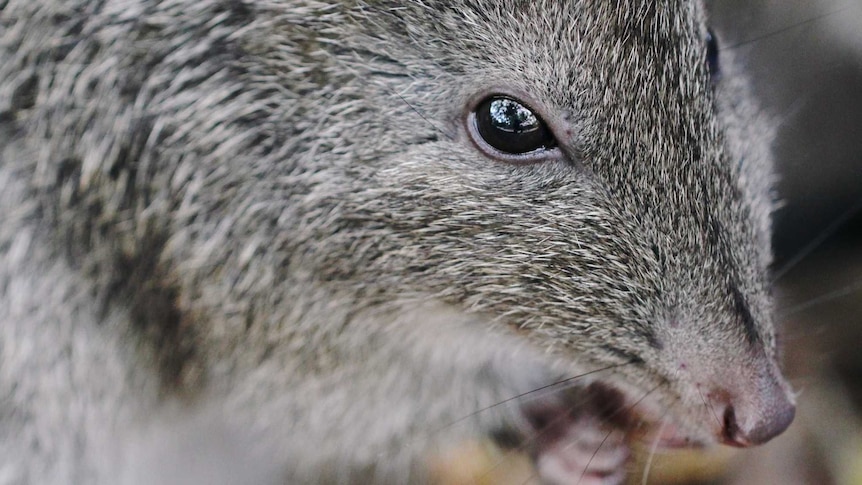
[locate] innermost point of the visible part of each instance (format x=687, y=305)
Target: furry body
x=269, y=216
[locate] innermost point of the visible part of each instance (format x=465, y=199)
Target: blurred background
x=804, y=58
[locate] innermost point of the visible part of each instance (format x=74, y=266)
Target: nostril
x=731, y=432
x=751, y=409
x=773, y=420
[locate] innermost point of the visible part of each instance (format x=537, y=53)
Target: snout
x=756, y=428
x=753, y=413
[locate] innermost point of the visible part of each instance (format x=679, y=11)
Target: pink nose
x=754, y=418
x=757, y=431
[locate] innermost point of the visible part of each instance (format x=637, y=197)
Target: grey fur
x=264, y=221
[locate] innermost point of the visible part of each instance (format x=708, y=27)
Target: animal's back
x=308, y=240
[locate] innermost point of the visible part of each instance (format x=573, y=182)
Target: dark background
x=805, y=61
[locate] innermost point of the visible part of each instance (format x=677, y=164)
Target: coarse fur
x=257, y=235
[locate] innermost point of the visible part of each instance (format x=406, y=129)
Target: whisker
x=628, y=409
x=538, y=389
x=615, y=413
x=791, y=111
x=820, y=299
x=560, y=382
x=786, y=28
x=653, y=451
x=522, y=446
x=809, y=248
x=710, y=408
x=368, y=77
x=421, y=115
x=596, y=452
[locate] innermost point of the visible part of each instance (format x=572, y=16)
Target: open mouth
x=584, y=437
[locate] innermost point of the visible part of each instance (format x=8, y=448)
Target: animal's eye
x=506, y=128
x=712, y=55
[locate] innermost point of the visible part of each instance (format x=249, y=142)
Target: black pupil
x=712, y=55
x=511, y=127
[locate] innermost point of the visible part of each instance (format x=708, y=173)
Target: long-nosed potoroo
x=325, y=242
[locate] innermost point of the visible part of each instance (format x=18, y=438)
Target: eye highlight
x=508, y=130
